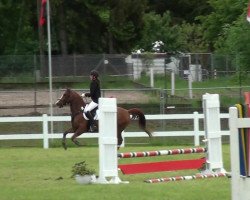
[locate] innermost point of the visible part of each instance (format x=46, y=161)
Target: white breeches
x=90, y=106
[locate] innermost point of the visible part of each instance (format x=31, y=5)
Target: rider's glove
x=83, y=95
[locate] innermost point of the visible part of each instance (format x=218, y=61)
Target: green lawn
x=35, y=173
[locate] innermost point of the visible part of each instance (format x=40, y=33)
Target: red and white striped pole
x=182, y=178
x=162, y=152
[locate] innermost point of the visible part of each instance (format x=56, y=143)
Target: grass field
x=35, y=173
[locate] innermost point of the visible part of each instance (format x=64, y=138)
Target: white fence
x=45, y=135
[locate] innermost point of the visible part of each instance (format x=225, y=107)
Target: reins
x=77, y=113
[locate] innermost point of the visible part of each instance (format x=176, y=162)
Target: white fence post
x=172, y=83
x=190, y=87
x=45, y=132
x=211, y=110
x=151, y=77
x=108, y=163
x=196, y=129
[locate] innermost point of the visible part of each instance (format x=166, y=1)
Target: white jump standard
x=240, y=184
x=108, y=142
x=108, y=157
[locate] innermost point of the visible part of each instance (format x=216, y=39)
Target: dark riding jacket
x=95, y=90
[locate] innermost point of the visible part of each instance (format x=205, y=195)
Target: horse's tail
x=137, y=113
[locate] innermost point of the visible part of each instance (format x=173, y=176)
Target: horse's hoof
x=64, y=146
x=78, y=144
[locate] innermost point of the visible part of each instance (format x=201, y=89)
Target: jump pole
x=162, y=152
x=185, y=178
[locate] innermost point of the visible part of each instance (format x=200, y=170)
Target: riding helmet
x=94, y=73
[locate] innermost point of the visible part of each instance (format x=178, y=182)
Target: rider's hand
x=83, y=95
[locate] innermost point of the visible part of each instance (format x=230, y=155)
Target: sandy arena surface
x=21, y=103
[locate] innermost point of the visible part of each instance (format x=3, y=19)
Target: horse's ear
x=67, y=91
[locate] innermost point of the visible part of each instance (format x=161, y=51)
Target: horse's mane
x=74, y=92
x=76, y=95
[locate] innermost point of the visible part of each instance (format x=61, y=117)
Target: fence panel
x=45, y=135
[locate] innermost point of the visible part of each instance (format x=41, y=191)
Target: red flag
x=248, y=12
x=42, y=19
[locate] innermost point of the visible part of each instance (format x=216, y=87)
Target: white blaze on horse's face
x=58, y=101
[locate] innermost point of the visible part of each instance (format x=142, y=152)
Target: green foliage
x=181, y=10
x=87, y=26
x=99, y=26
x=125, y=23
x=16, y=28
x=236, y=41
x=159, y=28
x=82, y=169
x=191, y=38
x=223, y=15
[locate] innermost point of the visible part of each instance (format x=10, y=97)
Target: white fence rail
x=45, y=135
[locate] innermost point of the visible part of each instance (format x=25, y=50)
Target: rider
x=94, y=94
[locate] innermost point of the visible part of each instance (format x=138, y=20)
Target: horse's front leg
x=64, y=138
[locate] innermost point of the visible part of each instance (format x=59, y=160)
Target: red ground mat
x=138, y=168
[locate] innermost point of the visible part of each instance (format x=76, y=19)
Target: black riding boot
x=92, y=127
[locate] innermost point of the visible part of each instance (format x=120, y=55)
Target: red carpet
x=137, y=168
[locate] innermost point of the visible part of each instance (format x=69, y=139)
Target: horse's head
x=64, y=99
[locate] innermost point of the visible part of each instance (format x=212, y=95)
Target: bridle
x=66, y=103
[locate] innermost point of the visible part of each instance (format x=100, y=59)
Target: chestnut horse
x=80, y=125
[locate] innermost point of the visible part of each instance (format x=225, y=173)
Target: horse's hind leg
x=73, y=138
x=64, y=138
x=76, y=142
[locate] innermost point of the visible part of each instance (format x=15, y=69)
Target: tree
x=181, y=10
x=227, y=30
x=16, y=27
x=235, y=40
x=159, y=28
x=118, y=26
x=125, y=24
x=223, y=14
x=98, y=26
x=191, y=38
